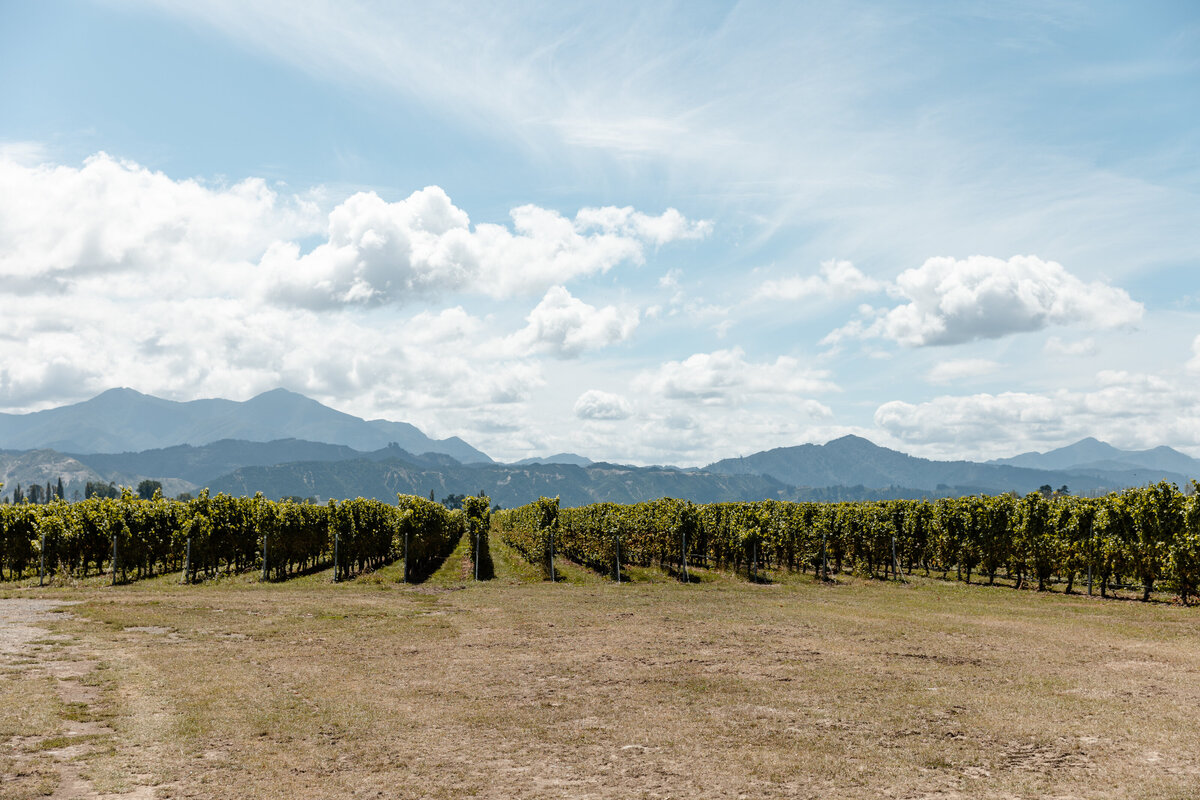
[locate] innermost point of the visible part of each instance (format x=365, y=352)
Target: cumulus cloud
x=566, y=326
x=597, y=405
x=1127, y=409
x=836, y=279
x=958, y=369
x=379, y=252
x=954, y=301
x=725, y=377
x=60, y=225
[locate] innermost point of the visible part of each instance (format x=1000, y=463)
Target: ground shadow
x=420, y=569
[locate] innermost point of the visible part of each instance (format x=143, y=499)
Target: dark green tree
x=101, y=489
x=147, y=488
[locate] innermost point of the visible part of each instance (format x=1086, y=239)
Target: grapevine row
x=1147, y=536
x=134, y=539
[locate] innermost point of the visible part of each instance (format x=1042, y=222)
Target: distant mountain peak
x=863, y=448
x=121, y=393
x=558, y=458
x=851, y=438
x=279, y=391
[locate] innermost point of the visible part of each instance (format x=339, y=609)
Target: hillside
x=507, y=485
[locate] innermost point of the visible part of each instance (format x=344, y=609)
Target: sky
x=642, y=232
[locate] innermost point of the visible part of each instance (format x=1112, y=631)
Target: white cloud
x=597, y=405
x=423, y=246
x=670, y=279
x=953, y=301
x=1057, y=347
x=1125, y=409
x=1194, y=364
x=839, y=279
x=28, y=380
x=566, y=326
x=958, y=369
x=667, y=227
x=61, y=226
x=725, y=377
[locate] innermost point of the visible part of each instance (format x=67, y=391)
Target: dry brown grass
x=518, y=688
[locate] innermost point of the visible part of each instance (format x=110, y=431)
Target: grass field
x=519, y=688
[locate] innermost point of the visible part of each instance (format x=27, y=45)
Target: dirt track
x=48, y=760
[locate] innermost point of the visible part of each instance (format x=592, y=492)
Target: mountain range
x=122, y=420
x=857, y=460
x=282, y=443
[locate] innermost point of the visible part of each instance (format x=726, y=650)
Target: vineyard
x=285, y=650
x=1147, y=538
x=129, y=539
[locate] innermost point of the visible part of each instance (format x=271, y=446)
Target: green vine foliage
x=1148, y=537
x=132, y=538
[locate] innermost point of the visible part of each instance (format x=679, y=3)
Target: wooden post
x=1091, y=557
x=895, y=563
x=406, y=532
x=42, y=562
x=553, y=577
x=114, y=560
x=477, y=555
x=683, y=556
x=337, y=568
x=824, y=560
x=618, y=560
x=264, y=556
x=187, y=562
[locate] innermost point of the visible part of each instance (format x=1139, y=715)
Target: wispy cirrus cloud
x=961, y=368
x=862, y=139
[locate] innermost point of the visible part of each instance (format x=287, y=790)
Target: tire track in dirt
x=64, y=661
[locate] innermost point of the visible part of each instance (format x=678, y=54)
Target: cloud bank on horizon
x=611, y=234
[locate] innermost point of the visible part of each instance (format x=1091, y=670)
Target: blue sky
x=645, y=233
